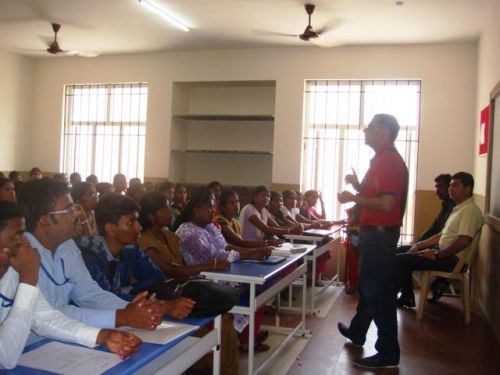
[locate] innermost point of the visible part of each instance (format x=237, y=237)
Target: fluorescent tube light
x=162, y=12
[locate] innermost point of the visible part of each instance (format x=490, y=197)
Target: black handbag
x=211, y=298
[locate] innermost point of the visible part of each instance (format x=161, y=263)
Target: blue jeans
x=376, y=288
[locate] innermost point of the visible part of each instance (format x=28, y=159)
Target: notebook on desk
x=287, y=249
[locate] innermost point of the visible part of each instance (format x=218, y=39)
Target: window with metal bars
x=105, y=129
x=336, y=112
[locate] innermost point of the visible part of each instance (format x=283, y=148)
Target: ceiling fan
x=55, y=49
x=309, y=34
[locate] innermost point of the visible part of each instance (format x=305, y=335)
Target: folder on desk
x=272, y=259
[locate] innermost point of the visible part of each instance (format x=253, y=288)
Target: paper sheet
x=165, y=332
x=68, y=359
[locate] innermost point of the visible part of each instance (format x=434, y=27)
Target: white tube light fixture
x=153, y=7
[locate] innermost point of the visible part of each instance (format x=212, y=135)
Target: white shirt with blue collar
x=23, y=308
x=64, y=279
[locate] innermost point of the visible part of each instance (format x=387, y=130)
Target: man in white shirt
x=438, y=252
x=52, y=221
x=22, y=307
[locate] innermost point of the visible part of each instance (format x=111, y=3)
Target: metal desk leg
x=216, y=350
x=251, y=329
x=313, y=282
x=304, y=298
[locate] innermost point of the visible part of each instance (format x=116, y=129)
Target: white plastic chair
x=461, y=272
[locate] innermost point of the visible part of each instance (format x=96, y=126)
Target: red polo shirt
x=387, y=175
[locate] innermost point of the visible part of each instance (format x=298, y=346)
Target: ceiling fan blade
x=271, y=33
x=330, y=26
x=46, y=40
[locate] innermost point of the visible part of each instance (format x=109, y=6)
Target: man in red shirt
x=382, y=200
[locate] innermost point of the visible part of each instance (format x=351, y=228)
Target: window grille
x=105, y=129
x=336, y=112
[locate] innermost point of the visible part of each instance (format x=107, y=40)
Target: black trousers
x=407, y=263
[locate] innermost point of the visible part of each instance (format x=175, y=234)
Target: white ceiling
x=125, y=26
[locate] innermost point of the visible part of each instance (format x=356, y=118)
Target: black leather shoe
x=344, y=330
x=438, y=289
x=408, y=302
x=374, y=361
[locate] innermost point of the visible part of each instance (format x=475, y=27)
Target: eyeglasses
x=72, y=210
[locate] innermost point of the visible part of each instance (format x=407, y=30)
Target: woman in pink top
x=309, y=211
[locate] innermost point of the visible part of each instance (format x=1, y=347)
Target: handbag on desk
x=211, y=298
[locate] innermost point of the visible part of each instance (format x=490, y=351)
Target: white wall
x=16, y=99
x=488, y=76
x=448, y=73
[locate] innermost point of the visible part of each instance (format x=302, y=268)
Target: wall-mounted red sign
x=483, y=130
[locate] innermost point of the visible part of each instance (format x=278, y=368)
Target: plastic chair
x=461, y=272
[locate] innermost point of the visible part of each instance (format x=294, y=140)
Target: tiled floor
x=438, y=344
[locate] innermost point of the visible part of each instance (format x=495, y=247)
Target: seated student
x=61, y=177
x=308, y=208
x=462, y=225
x=115, y=262
x=15, y=176
x=52, y=221
x=35, y=173
x=256, y=222
x=92, y=178
x=291, y=211
x=75, y=178
x=134, y=181
x=162, y=245
x=441, y=184
x=180, y=199
x=104, y=188
x=179, y=202
x=136, y=191
x=283, y=214
x=229, y=207
x=216, y=188
x=168, y=189
x=201, y=242
x=7, y=190
x=274, y=208
x=119, y=183
x=149, y=186
x=23, y=306
x=85, y=195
